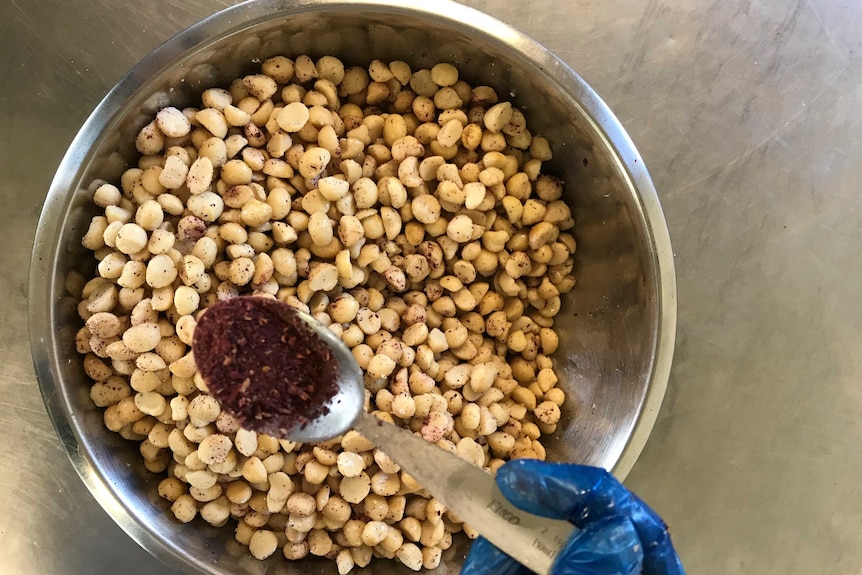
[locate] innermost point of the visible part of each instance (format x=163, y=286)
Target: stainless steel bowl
x=617, y=326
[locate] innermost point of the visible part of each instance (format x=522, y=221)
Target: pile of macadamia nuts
x=408, y=212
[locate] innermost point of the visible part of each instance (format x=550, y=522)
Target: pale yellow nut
x=332, y=188
x=410, y=555
x=236, y=172
x=143, y=337
x=151, y=403
x=111, y=266
x=381, y=366
x=471, y=451
x=184, y=508
x=323, y=277
x=450, y=133
x=96, y=234
x=207, y=206
x=498, y=116
x=460, y=228
x=374, y=532
x=131, y=239
x=104, y=325
x=116, y=214
x=313, y=161
x=350, y=464
x=474, y=195
x=236, y=117
x=234, y=144
x=344, y=264
x=217, y=98
x=150, y=140
x=444, y=74
x=215, y=150
x=353, y=441
x=202, y=479
x=319, y=542
x=172, y=122
x=149, y=214
x=547, y=412
x=186, y=300
x=260, y=86
x=279, y=68
x=408, y=173
x=281, y=487
x=355, y=489
x=343, y=561
x=161, y=271
x=214, y=121
x=320, y=229
x=482, y=377
x=292, y=117
x=173, y=175
x=540, y=149
x=255, y=213
x=202, y=410
x=253, y=470
x=262, y=544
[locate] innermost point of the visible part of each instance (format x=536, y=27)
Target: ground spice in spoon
x=263, y=364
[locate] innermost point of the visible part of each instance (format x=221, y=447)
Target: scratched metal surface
x=747, y=114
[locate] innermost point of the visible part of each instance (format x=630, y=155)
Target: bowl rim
x=239, y=17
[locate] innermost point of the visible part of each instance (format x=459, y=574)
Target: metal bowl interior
x=617, y=327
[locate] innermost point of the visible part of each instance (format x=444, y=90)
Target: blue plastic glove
x=619, y=534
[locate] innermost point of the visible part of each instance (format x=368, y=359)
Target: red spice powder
x=263, y=364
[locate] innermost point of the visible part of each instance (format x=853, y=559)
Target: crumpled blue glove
x=619, y=534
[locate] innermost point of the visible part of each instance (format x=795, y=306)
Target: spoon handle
x=471, y=494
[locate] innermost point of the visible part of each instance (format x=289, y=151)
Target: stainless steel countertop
x=747, y=114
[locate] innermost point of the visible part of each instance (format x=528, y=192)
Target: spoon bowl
x=347, y=404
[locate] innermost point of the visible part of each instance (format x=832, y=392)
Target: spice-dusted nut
x=143, y=337
x=547, y=412
x=541, y=234
x=460, y=228
x=104, y=325
x=408, y=172
x=172, y=122
x=498, y=116
x=323, y=277
x=260, y=86
x=549, y=188
x=313, y=162
x=447, y=98
x=540, y=149
x=392, y=192
x=396, y=279
x=174, y=173
x=150, y=139
x=207, y=206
